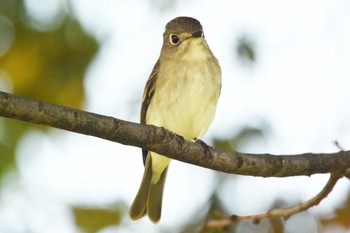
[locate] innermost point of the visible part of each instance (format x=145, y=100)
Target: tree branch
x=166, y=143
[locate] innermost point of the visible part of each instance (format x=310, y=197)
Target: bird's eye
x=174, y=39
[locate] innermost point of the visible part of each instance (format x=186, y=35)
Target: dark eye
x=174, y=39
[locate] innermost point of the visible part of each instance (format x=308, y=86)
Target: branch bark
x=164, y=142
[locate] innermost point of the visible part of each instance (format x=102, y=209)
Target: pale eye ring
x=174, y=39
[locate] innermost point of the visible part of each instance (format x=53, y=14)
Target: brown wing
x=146, y=99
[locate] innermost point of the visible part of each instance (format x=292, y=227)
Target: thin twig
x=337, y=144
x=228, y=220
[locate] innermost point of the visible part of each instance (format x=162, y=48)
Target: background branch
x=166, y=143
x=228, y=220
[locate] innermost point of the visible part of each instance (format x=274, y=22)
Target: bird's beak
x=197, y=34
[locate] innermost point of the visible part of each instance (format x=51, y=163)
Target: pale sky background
x=299, y=87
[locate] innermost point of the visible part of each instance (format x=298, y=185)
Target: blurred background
x=286, y=90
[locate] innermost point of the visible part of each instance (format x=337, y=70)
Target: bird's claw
x=205, y=147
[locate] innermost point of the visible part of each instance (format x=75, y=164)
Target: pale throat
x=195, y=50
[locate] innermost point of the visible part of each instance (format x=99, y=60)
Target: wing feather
x=146, y=99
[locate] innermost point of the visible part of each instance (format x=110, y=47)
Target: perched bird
x=181, y=95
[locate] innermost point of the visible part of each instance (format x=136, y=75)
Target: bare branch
x=166, y=143
x=227, y=220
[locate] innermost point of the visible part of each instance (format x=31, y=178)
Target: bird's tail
x=149, y=197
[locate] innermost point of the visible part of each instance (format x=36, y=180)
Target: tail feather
x=149, y=197
x=155, y=196
x=139, y=206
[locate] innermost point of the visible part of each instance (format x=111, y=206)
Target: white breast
x=186, y=94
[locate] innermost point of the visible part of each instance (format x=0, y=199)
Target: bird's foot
x=179, y=139
x=205, y=147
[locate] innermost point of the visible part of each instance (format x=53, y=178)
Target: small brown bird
x=181, y=95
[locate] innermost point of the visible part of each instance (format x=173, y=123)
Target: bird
x=181, y=95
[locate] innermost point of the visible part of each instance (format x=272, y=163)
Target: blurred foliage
x=341, y=216
x=245, y=51
x=48, y=65
x=164, y=5
x=91, y=220
x=243, y=135
x=195, y=224
x=276, y=225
